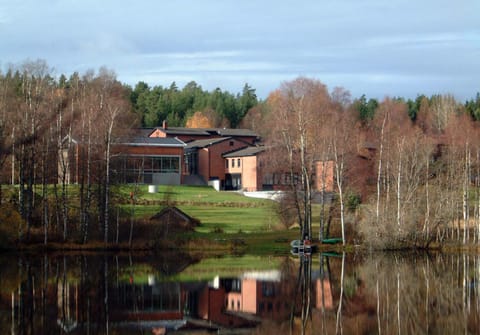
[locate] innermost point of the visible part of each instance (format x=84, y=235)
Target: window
x=226, y=163
x=238, y=162
x=236, y=285
x=233, y=163
x=142, y=168
x=268, y=289
x=231, y=143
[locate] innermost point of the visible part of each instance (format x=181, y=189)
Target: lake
x=175, y=293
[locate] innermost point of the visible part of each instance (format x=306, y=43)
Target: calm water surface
x=178, y=294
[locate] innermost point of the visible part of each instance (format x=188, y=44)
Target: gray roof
x=249, y=151
x=152, y=141
x=206, y=142
x=208, y=131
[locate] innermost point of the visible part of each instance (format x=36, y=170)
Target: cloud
x=369, y=46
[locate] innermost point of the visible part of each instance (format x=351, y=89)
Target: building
x=205, y=158
x=148, y=160
x=192, y=134
x=243, y=169
x=228, y=159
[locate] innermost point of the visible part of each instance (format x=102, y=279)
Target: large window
x=140, y=169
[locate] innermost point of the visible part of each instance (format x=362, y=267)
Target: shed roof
x=176, y=212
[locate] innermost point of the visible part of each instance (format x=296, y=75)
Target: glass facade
x=145, y=169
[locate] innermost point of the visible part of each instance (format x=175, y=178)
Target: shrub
x=10, y=224
x=352, y=201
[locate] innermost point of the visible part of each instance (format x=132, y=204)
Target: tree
x=137, y=98
x=342, y=141
x=365, y=109
x=206, y=118
x=295, y=107
x=34, y=79
x=7, y=96
x=245, y=102
x=256, y=118
x=473, y=107
x=443, y=107
x=111, y=107
x=463, y=146
x=414, y=106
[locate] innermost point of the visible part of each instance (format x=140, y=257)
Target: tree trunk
x=399, y=184
x=379, y=169
x=338, y=326
x=339, y=166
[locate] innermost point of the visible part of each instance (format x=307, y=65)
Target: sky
x=374, y=47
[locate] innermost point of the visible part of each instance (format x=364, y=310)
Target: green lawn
x=224, y=216
x=194, y=194
x=229, y=212
x=227, y=266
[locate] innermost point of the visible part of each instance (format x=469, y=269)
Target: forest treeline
x=414, y=165
x=191, y=105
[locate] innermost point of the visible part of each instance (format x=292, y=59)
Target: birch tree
x=463, y=142
x=343, y=142
x=34, y=78
x=111, y=107
x=294, y=111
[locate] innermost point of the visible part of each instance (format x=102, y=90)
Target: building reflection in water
x=113, y=295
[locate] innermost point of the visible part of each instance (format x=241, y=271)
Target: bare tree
x=34, y=80
x=295, y=108
x=343, y=141
x=111, y=106
x=463, y=140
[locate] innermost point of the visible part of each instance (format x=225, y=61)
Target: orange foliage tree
x=206, y=118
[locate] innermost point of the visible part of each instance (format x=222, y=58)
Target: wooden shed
x=172, y=219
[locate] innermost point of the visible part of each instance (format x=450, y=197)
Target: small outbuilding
x=172, y=219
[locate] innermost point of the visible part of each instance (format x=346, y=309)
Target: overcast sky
x=375, y=47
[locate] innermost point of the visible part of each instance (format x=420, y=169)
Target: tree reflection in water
x=325, y=294
x=386, y=294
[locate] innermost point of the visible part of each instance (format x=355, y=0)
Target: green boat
x=333, y=240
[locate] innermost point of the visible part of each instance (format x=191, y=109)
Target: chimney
x=164, y=124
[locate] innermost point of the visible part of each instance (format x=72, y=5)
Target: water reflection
x=308, y=294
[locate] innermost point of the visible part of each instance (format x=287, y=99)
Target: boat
x=301, y=247
x=333, y=240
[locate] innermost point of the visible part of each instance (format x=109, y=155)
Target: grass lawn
x=193, y=194
x=252, y=224
x=229, y=212
x=227, y=266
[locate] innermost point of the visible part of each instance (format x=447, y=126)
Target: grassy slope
x=227, y=211
x=224, y=216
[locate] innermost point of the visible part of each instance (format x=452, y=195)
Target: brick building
x=242, y=169
x=229, y=159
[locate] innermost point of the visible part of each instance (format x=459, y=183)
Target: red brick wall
x=210, y=160
x=329, y=176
